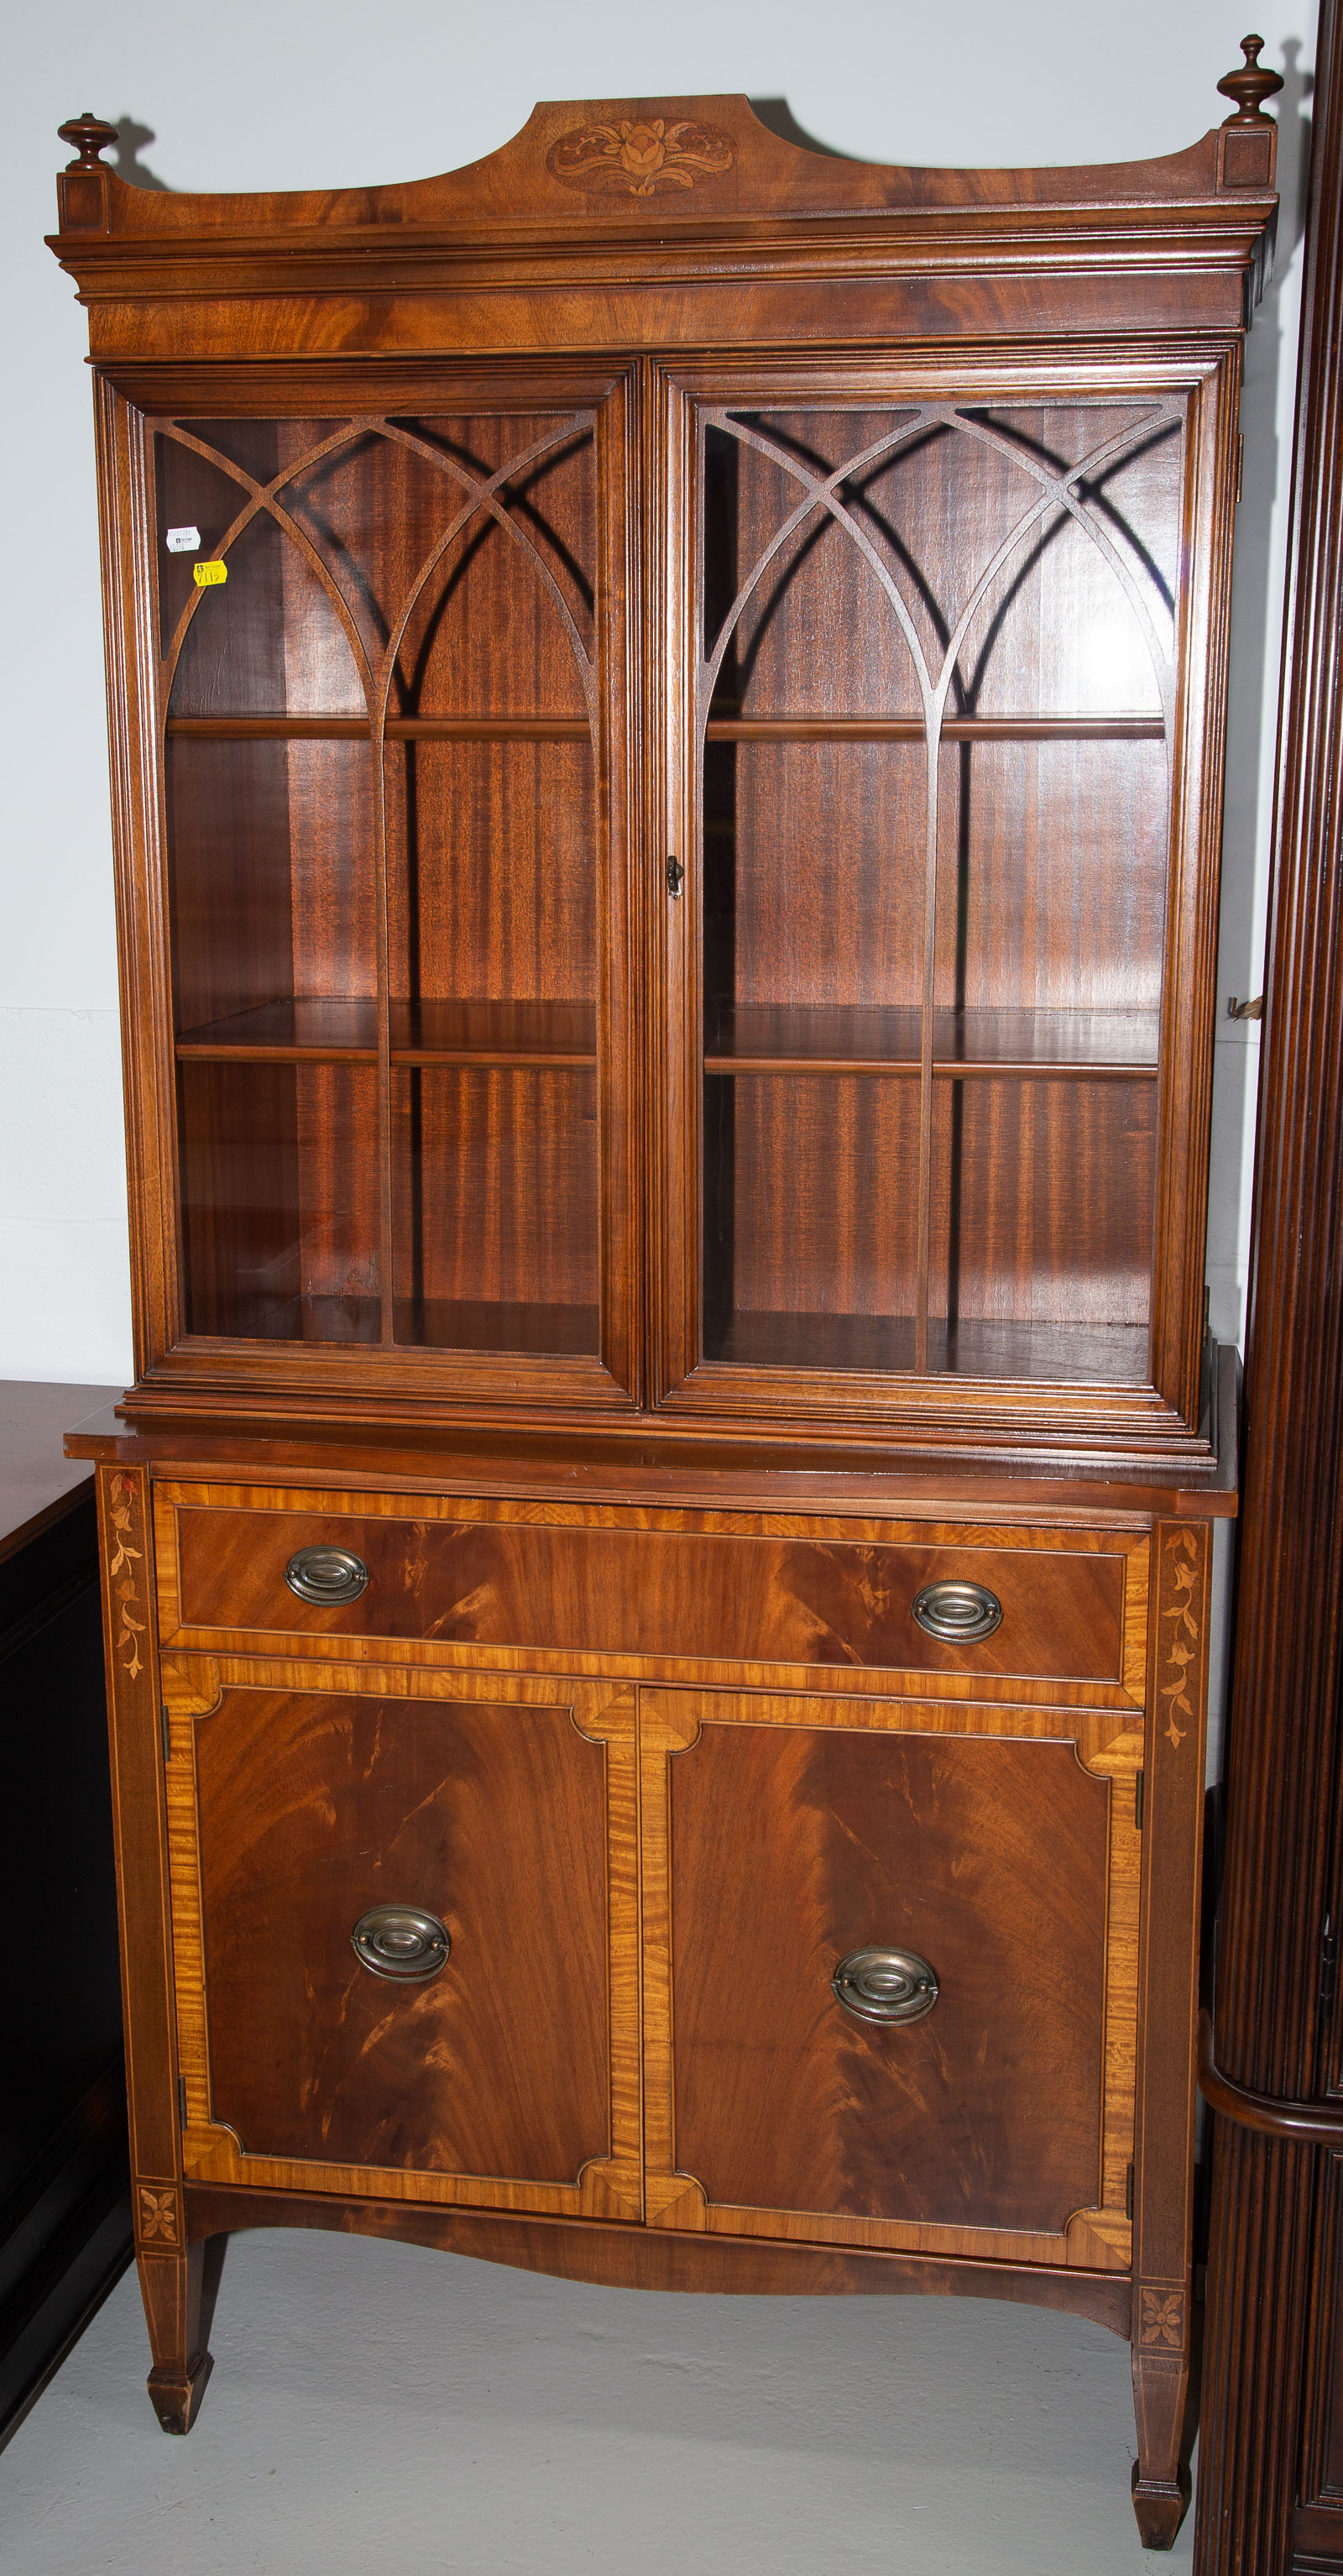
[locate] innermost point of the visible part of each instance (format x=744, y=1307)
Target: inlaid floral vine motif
x=640, y=156
x=1180, y=1649
x=122, y=1560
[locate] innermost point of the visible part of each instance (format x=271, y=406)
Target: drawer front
x=1064, y=1608
x=402, y=1958
x=890, y=1974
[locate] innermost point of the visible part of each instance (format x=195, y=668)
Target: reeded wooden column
x=1276, y=2076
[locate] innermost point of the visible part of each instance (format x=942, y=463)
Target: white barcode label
x=184, y=541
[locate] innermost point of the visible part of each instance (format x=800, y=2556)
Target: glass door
x=933, y=690
x=390, y=739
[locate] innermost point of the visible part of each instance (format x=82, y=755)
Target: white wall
x=286, y=93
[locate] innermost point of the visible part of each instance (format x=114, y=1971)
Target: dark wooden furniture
x=65, y=2222
x=667, y=746
x=1271, y=2473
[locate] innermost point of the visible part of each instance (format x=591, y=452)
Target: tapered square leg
x=1160, y=2393
x=179, y=2295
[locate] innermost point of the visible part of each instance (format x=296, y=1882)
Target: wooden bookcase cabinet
x=667, y=703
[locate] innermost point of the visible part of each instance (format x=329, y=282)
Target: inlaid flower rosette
x=640, y=156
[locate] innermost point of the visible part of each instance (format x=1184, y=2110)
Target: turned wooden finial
x=1249, y=85
x=91, y=136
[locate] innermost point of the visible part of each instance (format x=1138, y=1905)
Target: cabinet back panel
x=809, y=1207
x=495, y=1188
x=490, y=632
x=814, y=872
x=190, y=492
x=374, y=510
x=312, y=1810
x=273, y=894
x=1044, y=1201
x=885, y=563
x=1083, y=623
x=492, y=870
x=279, y=1200
x=814, y=634
x=792, y=1847
x=230, y=877
x=269, y=640
x=664, y=1595
x=1052, y=864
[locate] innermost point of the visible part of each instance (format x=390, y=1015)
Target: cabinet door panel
x=991, y=1855
x=394, y=757
x=309, y=1809
x=934, y=635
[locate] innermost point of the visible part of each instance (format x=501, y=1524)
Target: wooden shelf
x=1017, y=1045
x=290, y=1032
x=767, y=1037
x=480, y=1325
x=564, y=1332
x=488, y=729
x=549, y=1035
x=306, y=1319
x=277, y=728
x=840, y=728
x=1058, y=1354
x=311, y=728
x=1119, y=1046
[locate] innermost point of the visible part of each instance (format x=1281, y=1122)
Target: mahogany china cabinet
x=667, y=700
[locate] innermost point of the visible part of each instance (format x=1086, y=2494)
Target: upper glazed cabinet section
x=663, y=878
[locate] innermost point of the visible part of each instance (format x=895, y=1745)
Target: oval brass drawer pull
x=400, y=1941
x=885, y=1985
x=959, y=1614
x=326, y=1575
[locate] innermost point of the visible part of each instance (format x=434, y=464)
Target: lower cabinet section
x=697, y=1975
x=888, y=1954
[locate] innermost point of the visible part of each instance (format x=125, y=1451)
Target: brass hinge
x=165, y=1730
x=1128, y=2195
x=1138, y=1788
x=1240, y=466
x=1328, y=1967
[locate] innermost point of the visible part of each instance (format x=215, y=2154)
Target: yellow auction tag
x=207, y=576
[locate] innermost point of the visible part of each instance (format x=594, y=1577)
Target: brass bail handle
x=326, y=1575
x=885, y=1985
x=401, y=1942
x=958, y=1613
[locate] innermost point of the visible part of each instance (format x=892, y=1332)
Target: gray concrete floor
x=377, y=2410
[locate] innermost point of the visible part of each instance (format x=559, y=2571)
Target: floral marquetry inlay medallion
x=640, y=157
x=1162, y=2322
x=158, y=2215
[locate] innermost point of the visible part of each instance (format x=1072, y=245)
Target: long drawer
x=658, y=1589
